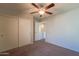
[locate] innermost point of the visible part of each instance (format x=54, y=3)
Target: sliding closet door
x=25, y=30
x=2, y=38
x=8, y=32
x=11, y=30
x=15, y=31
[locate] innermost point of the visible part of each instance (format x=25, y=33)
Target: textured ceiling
x=26, y=8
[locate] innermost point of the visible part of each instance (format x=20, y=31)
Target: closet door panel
x=25, y=30
x=8, y=33
x=11, y=26
x=2, y=38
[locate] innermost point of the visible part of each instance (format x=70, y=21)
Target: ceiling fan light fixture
x=41, y=12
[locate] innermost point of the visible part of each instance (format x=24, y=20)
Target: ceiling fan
x=41, y=10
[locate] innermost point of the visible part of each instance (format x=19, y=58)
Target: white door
x=8, y=32
x=25, y=30
x=37, y=35
x=11, y=34
x=2, y=46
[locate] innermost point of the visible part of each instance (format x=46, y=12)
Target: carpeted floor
x=40, y=48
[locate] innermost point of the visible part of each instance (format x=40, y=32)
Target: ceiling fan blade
x=34, y=12
x=49, y=6
x=35, y=5
x=48, y=12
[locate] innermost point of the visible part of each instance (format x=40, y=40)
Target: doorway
x=40, y=33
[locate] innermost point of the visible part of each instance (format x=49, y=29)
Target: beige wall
x=11, y=31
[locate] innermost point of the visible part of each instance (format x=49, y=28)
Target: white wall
x=63, y=30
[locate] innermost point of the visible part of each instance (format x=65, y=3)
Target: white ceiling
x=26, y=8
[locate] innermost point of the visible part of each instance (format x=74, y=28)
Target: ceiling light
x=41, y=11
